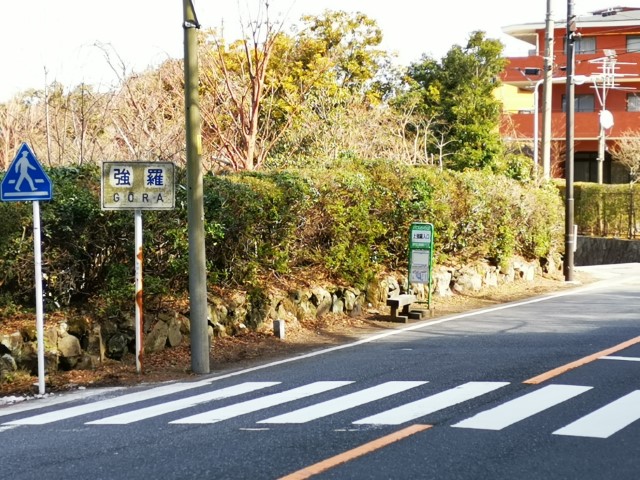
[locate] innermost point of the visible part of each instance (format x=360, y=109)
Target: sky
x=66, y=40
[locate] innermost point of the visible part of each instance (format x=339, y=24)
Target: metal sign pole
x=26, y=181
x=138, y=283
x=37, y=251
x=138, y=186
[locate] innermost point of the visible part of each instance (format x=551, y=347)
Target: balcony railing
x=586, y=124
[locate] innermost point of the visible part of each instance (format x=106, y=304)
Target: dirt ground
x=253, y=348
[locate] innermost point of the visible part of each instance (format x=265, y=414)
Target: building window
x=633, y=102
x=586, y=167
x=585, y=45
x=582, y=103
x=633, y=43
x=582, y=45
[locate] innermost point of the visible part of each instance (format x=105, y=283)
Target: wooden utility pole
x=195, y=198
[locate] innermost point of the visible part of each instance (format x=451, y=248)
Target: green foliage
x=77, y=235
x=348, y=219
x=349, y=41
x=606, y=210
x=351, y=243
x=516, y=166
x=253, y=219
x=16, y=258
x=457, y=96
x=119, y=291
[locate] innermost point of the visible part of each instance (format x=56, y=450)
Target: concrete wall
x=603, y=251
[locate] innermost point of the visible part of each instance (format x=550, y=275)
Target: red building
x=607, y=53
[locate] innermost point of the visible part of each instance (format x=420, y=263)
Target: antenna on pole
x=602, y=83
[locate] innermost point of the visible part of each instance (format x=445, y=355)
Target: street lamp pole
x=568, y=230
x=606, y=120
x=577, y=80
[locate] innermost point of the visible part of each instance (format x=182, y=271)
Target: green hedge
x=606, y=210
x=349, y=220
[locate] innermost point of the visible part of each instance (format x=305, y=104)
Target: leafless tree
x=626, y=151
x=234, y=89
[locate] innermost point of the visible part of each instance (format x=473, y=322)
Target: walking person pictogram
x=25, y=179
x=23, y=165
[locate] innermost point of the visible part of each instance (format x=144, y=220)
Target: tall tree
x=350, y=42
x=458, y=92
x=274, y=92
x=336, y=60
x=234, y=89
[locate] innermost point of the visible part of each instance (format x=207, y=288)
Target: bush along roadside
x=345, y=223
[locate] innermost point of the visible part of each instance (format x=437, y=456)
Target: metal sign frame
x=137, y=185
x=421, y=238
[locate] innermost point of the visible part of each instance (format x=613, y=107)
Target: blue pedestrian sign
x=25, y=179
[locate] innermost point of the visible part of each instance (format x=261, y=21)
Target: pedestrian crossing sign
x=25, y=179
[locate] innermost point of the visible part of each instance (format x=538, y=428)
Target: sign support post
x=37, y=253
x=139, y=290
x=138, y=186
x=26, y=181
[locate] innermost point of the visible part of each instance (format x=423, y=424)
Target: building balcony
x=520, y=125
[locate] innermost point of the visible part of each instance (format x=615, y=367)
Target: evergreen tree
x=458, y=93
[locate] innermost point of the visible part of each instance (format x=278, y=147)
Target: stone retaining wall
x=605, y=251
x=78, y=345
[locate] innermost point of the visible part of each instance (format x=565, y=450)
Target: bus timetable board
x=421, y=255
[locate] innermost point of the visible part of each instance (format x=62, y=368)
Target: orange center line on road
x=325, y=465
x=578, y=363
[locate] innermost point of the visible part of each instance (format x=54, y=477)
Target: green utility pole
x=195, y=201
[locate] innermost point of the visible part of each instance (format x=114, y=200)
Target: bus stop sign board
x=421, y=254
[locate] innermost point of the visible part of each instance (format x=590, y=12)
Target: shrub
x=349, y=219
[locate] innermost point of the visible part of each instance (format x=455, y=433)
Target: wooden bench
x=397, y=302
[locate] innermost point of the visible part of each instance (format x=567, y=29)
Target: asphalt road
x=545, y=388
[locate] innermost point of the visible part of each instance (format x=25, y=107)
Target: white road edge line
x=34, y=403
x=427, y=323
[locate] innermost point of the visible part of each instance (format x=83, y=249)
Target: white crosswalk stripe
x=168, y=407
x=109, y=403
x=231, y=411
x=607, y=420
x=39, y=403
x=601, y=423
x=523, y=407
x=343, y=403
x=434, y=403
